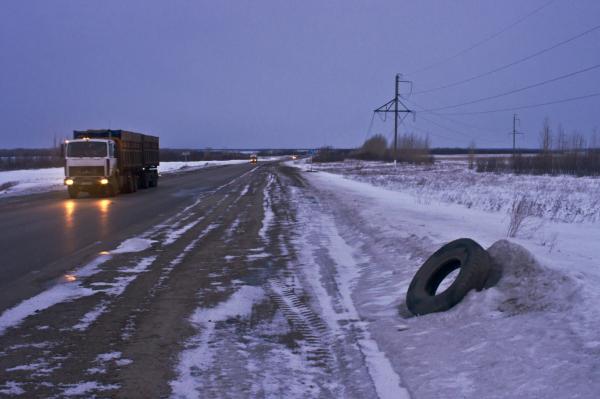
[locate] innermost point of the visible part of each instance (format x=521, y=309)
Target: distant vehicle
x=294, y=157
x=106, y=162
x=253, y=158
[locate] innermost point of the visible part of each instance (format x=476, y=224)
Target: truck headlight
x=104, y=181
x=69, y=182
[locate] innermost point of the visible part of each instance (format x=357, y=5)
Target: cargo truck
x=107, y=162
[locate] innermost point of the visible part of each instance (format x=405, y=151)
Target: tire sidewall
x=474, y=271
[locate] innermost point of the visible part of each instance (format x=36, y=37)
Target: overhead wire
x=370, y=126
x=490, y=111
x=452, y=120
x=520, y=89
x=510, y=64
x=485, y=40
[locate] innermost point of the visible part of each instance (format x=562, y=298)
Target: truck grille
x=86, y=171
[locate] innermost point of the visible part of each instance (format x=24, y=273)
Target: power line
x=428, y=132
x=506, y=66
x=490, y=111
x=568, y=75
x=370, y=126
x=485, y=40
x=452, y=130
x=444, y=116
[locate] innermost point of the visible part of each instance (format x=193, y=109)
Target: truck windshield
x=84, y=149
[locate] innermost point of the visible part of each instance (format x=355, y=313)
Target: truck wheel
x=129, y=184
x=113, y=187
x=73, y=192
x=464, y=254
x=144, y=181
x=154, y=180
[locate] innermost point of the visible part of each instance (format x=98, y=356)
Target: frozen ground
x=27, y=181
x=534, y=335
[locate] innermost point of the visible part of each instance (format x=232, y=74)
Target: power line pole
x=387, y=107
x=514, y=134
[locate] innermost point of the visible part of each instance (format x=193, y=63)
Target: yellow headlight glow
x=69, y=182
x=104, y=181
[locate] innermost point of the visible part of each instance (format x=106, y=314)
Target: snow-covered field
x=558, y=198
x=534, y=335
x=27, y=181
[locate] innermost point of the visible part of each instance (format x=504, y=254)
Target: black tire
x=130, y=185
x=73, y=192
x=466, y=254
x=144, y=181
x=114, y=187
x=124, y=180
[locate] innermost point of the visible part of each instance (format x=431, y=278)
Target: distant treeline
x=30, y=158
x=559, y=153
x=410, y=149
x=467, y=151
x=177, y=154
x=37, y=158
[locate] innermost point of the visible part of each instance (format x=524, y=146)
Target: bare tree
x=472, y=154
x=546, y=136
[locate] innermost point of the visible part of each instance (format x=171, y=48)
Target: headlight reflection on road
x=103, y=205
x=69, y=211
x=70, y=278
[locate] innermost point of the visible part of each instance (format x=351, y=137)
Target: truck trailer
x=106, y=162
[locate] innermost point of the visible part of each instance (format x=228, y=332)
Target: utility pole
x=387, y=107
x=514, y=134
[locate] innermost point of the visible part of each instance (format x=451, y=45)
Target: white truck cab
x=89, y=165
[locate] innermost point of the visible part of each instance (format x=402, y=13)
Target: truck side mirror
x=62, y=150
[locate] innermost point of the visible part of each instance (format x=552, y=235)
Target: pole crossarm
x=387, y=107
x=392, y=107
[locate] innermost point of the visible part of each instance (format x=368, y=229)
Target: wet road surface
x=44, y=235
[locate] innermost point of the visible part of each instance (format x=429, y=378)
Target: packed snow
x=135, y=244
x=197, y=355
x=72, y=287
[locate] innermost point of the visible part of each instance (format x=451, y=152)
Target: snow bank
x=32, y=180
x=527, y=286
x=171, y=167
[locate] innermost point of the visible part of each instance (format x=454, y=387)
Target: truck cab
x=106, y=162
x=90, y=165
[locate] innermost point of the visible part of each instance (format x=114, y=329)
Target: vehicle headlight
x=69, y=182
x=104, y=181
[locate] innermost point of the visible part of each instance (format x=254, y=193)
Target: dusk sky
x=255, y=74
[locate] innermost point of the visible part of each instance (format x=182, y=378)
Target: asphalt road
x=45, y=235
x=221, y=300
